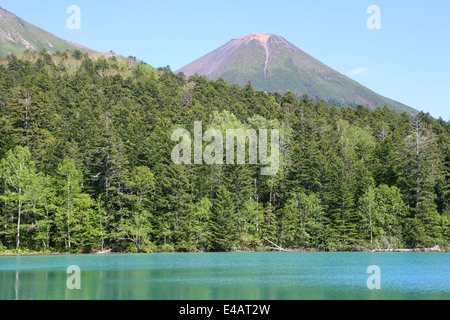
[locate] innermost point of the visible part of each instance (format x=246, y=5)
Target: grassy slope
x=24, y=34
x=114, y=64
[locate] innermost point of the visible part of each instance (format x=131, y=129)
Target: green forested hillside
x=86, y=165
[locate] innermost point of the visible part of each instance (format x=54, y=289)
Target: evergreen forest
x=85, y=165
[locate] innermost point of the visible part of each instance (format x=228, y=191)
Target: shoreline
x=109, y=252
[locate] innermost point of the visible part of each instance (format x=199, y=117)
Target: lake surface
x=226, y=276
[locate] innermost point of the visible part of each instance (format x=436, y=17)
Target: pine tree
x=84, y=235
x=224, y=220
x=419, y=173
x=289, y=221
x=202, y=225
x=270, y=226
x=109, y=174
x=250, y=222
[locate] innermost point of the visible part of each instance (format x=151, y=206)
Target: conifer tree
x=224, y=220
x=418, y=178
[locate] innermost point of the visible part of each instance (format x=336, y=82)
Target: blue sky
x=407, y=60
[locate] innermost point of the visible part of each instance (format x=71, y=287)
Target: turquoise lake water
x=226, y=276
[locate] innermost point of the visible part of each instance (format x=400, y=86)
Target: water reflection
x=17, y=285
x=225, y=277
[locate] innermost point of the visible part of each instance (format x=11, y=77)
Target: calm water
x=227, y=276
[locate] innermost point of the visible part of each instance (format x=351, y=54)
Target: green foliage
x=85, y=165
x=382, y=215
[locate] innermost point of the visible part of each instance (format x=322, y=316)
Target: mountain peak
x=274, y=64
x=260, y=37
x=263, y=39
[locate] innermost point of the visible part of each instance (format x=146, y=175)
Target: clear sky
x=407, y=60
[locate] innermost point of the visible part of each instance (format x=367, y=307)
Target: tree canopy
x=86, y=165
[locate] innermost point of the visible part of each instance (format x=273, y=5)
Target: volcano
x=273, y=64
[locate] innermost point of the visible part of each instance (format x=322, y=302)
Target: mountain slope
x=18, y=35
x=272, y=63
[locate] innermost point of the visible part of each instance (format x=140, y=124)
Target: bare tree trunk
x=18, y=220
x=370, y=218
x=68, y=209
